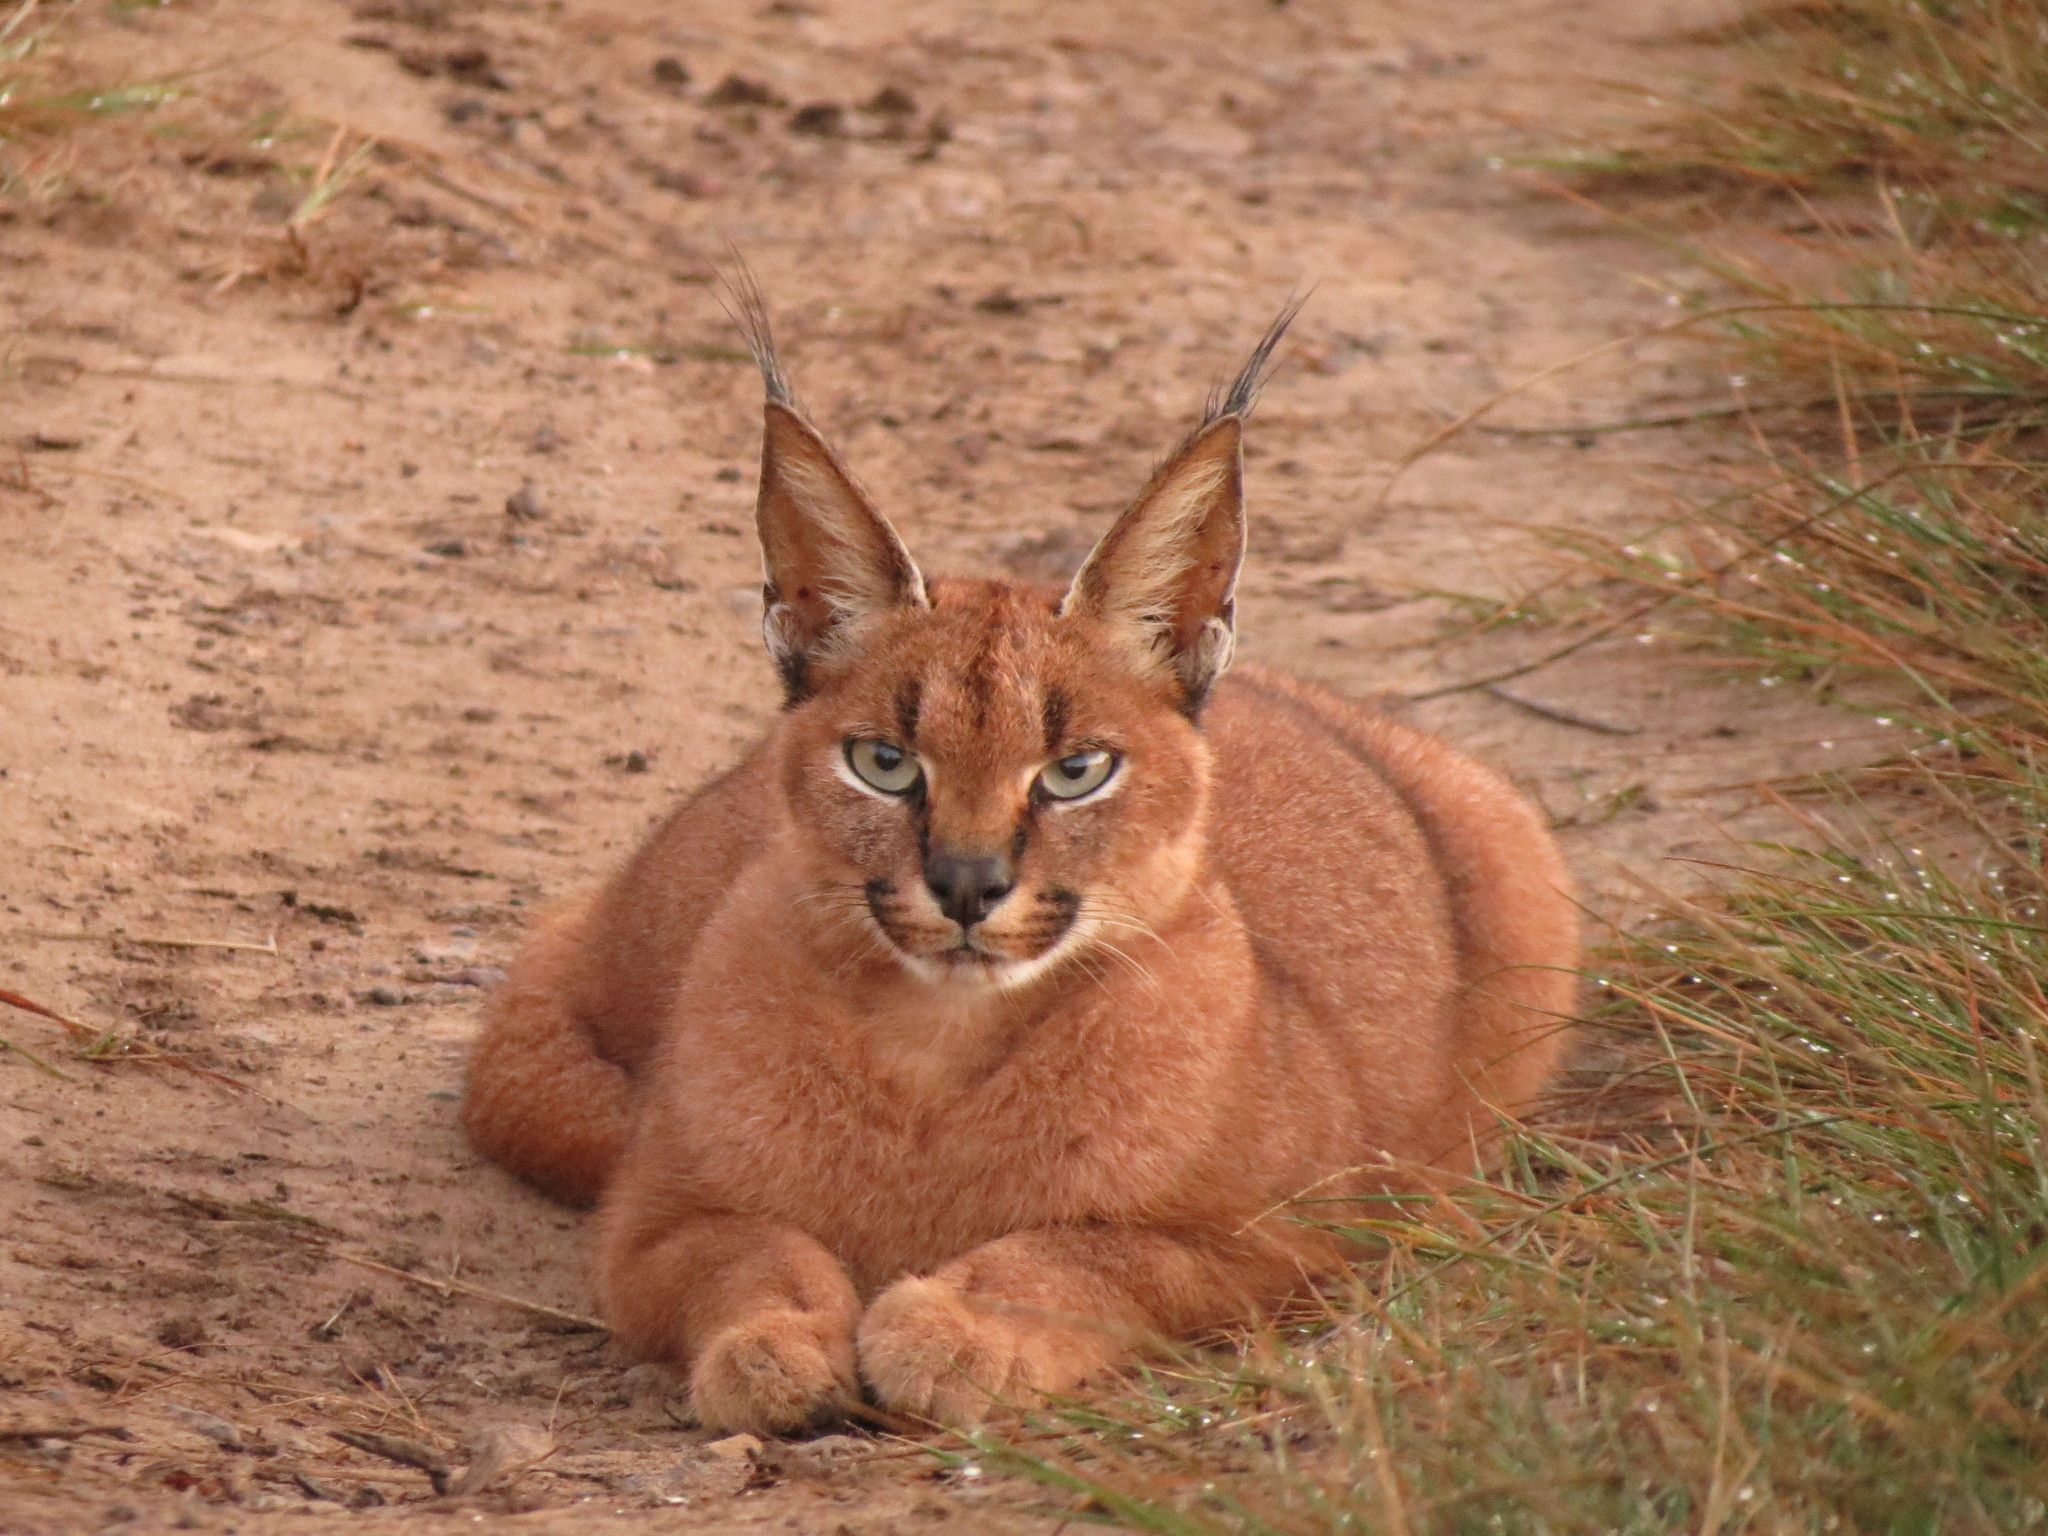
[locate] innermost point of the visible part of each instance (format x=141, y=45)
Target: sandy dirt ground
x=375, y=565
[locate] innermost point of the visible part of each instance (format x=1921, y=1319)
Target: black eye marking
x=909, y=701
x=1057, y=708
x=877, y=892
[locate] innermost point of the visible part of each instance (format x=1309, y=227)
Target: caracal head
x=988, y=780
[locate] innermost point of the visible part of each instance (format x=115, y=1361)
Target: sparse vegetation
x=1912, y=138
x=1777, y=1264
x=42, y=101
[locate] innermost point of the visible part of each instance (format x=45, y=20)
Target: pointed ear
x=1163, y=576
x=831, y=561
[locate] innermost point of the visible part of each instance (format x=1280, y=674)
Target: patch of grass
x=1776, y=1260
x=1947, y=97
x=1921, y=566
x=1906, y=336
x=1906, y=142
x=42, y=102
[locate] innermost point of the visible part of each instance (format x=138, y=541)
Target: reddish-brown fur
x=1290, y=947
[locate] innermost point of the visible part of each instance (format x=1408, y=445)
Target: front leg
x=760, y=1314
x=1039, y=1312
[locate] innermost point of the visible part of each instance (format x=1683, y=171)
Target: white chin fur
x=993, y=975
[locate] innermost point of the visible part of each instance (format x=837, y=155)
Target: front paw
x=773, y=1371
x=930, y=1349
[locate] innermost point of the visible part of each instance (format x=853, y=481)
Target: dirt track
x=277, y=664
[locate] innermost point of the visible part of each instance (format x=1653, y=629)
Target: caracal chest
x=899, y=1134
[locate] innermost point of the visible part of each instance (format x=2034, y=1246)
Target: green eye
x=890, y=769
x=1081, y=774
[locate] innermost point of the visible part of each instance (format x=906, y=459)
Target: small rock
x=671, y=72
x=473, y=67
x=473, y=976
x=448, y=549
x=524, y=504
x=739, y=91
x=891, y=101
x=382, y=997
x=211, y=1426
x=826, y=1449
x=684, y=183
x=502, y=1451
x=548, y=439
x=1001, y=301
x=183, y=1332
x=819, y=120
x=734, y=1448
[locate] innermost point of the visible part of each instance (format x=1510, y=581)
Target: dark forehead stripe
x=1057, y=707
x=909, y=700
x=980, y=677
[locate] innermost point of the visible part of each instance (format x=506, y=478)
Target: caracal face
x=989, y=790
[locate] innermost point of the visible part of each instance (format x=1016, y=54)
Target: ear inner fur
x=1164, y=576
x=830, y=560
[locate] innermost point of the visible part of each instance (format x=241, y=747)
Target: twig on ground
x=29, y=1005
x=478, y=1292
x=31, y=1436
x=1561, y=715
x=35, y=1061
x=394, y=1448
x=106, y=1045
x=267, y=947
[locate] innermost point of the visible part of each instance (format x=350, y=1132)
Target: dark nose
x=968, y=885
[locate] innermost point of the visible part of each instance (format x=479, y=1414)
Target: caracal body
x=985, y=1019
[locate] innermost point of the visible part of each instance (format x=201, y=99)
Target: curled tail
x=541, y=1102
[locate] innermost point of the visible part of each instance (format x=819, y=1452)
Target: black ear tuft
x=830, y=560
x=739, y=295
x=1243, y=393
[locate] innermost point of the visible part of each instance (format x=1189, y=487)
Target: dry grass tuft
x=1948, y=98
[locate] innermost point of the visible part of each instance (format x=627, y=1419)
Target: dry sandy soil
x=279, y=670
